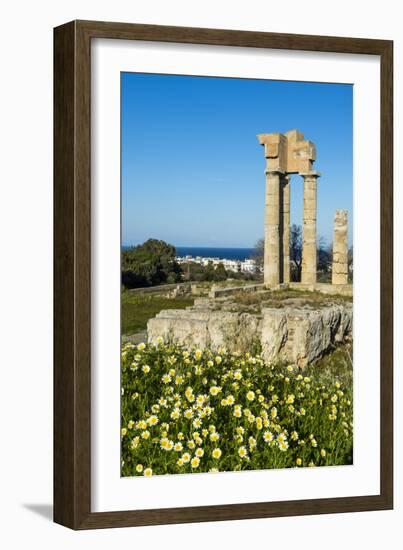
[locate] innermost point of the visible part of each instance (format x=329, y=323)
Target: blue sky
x=192, y=167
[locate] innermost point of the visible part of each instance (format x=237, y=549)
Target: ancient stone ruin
x=288, y=154
x=297, y=334
x=299, y=331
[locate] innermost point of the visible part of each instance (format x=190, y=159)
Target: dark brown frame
x=72, y=297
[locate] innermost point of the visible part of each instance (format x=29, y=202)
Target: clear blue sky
x=192, y=167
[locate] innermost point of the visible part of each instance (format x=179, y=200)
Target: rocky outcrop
x=297, y=335
x=301, y=335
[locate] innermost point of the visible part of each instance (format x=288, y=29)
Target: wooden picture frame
x=72, y=271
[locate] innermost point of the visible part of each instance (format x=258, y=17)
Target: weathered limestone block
x=274, y=332
x=340, y=248
x=233, y=330
x=296, y=335
x=195, y=289
x=189, y=327
x=217, y=292
x=324, y=288
x=345, y=329
x=180, y=290
x=305, y=334
x=205, y=328
x=301, y=153
x=288, y=152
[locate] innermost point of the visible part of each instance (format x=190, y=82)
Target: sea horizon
x=221, y=252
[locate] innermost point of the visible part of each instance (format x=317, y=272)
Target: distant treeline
x=196, y=272
x=153, y=263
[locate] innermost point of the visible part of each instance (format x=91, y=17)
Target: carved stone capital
x=312, y=174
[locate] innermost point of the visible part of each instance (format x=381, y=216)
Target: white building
x=248, y=266
x=231, y=265
x=245, y=266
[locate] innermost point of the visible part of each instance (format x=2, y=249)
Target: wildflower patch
x=192, y=410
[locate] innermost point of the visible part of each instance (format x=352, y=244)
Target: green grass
x=137, y=309
x=336, y=364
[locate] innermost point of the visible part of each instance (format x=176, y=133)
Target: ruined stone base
x=296, y=335
x=325, y=288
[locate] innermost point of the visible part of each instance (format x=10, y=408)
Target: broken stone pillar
x=340, y=248
x=272, y=229
x=308, y=273
x=286, y=229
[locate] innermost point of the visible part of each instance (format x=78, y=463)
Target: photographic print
x=205, y=212
x=236, y=274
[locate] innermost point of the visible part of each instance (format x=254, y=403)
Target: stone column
x=340, y=248
x=308, y=274
x=286, y=229
x=272, y=229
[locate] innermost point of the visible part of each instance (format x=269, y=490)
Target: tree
x=350, y=263
x=151, y=263
x=258, y=254
x=324, y=259
x=295, y=252
x=324, y=254
x=193, y=271
x=220, y=273
x=209, y=272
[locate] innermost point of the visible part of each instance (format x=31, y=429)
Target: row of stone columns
x=286, y=154
x=277, y=229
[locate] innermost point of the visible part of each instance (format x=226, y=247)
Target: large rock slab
x=301, y=335
x=205, y=328
x=297, y=335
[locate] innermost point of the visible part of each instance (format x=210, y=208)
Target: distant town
x=237, y=266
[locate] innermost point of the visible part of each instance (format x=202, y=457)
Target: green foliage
x=137, y=309
x=338, y=364
x=209, y=272
x=198, y=273
x=258, y=253
x=193, y=271
x=295, y=252
x=187, y=410
x=151, y=263
x=324, y=256
x=220, y=273
x=324, y=261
